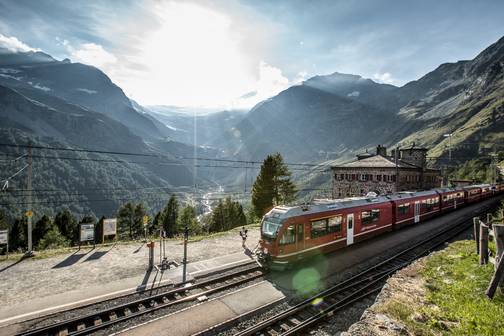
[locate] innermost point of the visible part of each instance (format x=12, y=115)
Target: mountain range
x=327, y=118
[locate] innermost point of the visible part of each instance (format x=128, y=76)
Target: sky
x=235, y=53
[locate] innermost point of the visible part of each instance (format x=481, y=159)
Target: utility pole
x=396, y=157
x=449, y=136
x=29, y=212
x=186, y=237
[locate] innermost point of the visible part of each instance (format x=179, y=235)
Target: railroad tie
x=294, y=321
x=63, y=332
x=284, y=326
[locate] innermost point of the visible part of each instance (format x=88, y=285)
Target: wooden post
x=489, y=220
x=483, y=244
x=476, y=231
x=497, y=277
x=498, y=230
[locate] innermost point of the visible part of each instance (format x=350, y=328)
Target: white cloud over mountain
x=12, y=44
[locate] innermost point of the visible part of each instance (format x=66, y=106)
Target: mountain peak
x=8, y=57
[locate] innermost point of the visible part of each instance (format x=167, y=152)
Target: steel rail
x=94, y=321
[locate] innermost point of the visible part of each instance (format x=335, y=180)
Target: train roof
x=477, y=186
x=411, y=194
x=321, y=205
x=446, y=189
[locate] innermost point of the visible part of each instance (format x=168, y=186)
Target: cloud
x=91, y=54
x=271, y=81
x=385, y=78
x=14, y=45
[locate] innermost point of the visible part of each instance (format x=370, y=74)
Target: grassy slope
x=455, y=301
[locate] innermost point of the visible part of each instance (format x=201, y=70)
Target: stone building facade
x=383, y=174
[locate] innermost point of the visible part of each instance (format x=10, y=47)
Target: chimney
x=381, y=150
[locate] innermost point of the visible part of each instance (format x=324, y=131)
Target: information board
x=110, y=227
x=86, y=232
x=4, y=236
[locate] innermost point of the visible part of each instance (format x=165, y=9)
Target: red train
x=292, y=233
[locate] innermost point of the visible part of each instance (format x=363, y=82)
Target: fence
x=483, y=233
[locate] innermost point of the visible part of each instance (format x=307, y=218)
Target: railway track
x=326, y=303
x=92, y=322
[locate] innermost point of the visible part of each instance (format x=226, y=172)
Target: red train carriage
x=413, y=207
x=472, y=194
x=451, y=198
x=292, y=233
x=486, y=190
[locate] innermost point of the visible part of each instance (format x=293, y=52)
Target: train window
x=318, y=228
x=368, y=217
x=270, y=226
x=289, y=236
x=403, y=209
x=334, y=224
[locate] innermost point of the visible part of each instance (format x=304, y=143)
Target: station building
x=384, y=174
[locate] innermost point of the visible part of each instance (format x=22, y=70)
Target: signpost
x=4, y=239
x=109, y=228
x=87, y=233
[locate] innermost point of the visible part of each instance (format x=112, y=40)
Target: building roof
x=377, y=161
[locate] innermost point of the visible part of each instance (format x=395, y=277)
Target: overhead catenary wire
x=95, y=151
x=15, y=174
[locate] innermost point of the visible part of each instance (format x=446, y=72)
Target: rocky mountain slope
x=334, y=116
x=60, y=104
x=465, y=99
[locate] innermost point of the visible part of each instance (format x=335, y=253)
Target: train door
x=300, y=237
x=417, y=211
x=350, y=229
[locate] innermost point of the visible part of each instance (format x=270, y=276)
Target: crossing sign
x=29, y=214
x=145, y=220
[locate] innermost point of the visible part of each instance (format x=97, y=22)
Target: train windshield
x=270, y=226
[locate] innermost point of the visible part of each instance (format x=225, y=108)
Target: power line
x=149, y=155
x=15, y=174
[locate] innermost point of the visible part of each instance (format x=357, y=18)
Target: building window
x=369, y=217
x=393, y=177
x=289, y=236
x=353, y=177
x=378, y=177
x=403, y=209
x=334, y=224
x=318, y=228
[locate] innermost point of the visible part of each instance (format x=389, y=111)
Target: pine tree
x=138, y=226
x=169, y=216
x=67, y=225
x=42, y=226
x=188, y=219
x=17, y=236
x=3, y=221
x=125, y=220
x=217, y=222
x=273, y=185
x=52, y=239
x=155, y=223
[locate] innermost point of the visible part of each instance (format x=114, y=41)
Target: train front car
x=270, y=228
x=290, y=234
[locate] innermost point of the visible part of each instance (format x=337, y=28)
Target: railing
x=483, y=233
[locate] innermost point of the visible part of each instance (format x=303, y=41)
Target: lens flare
x=306, y=281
